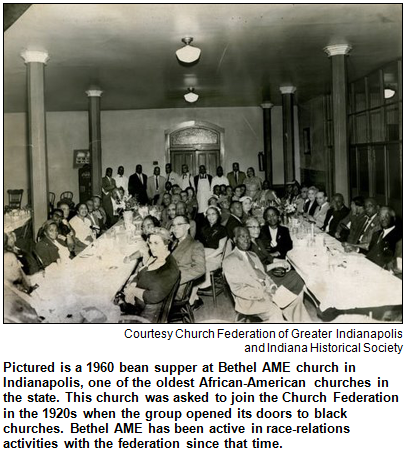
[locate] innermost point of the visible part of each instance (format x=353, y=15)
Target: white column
x=37, y=143
x=338, y=54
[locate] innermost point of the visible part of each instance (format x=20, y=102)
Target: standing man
x=108, y=186
x=122, y=180
x=155, y=186
x=203, y=188
x=171, y=176
x=219, y=179
x=137, y=185
x=236, y=177
x=186, y=179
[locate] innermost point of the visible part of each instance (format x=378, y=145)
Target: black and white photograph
x=202, y=163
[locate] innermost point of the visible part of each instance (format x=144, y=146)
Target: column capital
x=267, y=105
x=94, y=93
x=288, y=90
x=34, y=56
x=337, y=49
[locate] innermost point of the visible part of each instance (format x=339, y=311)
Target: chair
x=162, y=316
x=51, y=200
x=66, y=195
x=217, y=280
x=181, y=310
x=14, y=198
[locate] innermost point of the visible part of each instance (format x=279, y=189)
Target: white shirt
x=273, y=233
x=219, y=181
x=82, y=228
x=173, y=178
x=386, y=231
x=122, y=182
x=186, y=180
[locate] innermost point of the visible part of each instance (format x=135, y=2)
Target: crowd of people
x=194, y=225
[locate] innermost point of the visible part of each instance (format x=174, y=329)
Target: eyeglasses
x=177, y=225
x=253, y=227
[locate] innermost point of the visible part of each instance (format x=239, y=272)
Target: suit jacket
x=233, y=182
x=320, y=214
x=190, y=257
x=108, y=185
x=47, y=251
x=382, y=250
x=333, y=218
x=283, y=240
x=310, y=208
x=196, y=179
x=138, y=188
x=248, y=291
x=151, y=192
x=364, y=238
x=231, y=224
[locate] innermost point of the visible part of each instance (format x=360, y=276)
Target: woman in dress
x=146, y=291
x=253, y=184
x=213, y=236
x=82, y=226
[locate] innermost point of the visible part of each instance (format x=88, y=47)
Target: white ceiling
x=248, y=51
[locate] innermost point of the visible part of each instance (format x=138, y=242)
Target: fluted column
x=338, y=55
x=95, y=139
x=266, y=109
x=37, y=143
x=288, y=132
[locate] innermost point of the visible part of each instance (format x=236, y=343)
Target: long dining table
x=83, y=289
x=338, y=279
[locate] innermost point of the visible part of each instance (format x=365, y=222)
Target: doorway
x=195, y=144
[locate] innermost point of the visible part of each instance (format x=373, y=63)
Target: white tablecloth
x=341, y=280
x=89, y=280
x=12, y=223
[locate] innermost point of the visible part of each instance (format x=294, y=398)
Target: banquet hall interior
x=190, y=163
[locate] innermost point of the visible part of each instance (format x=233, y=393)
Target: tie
x=260, y=274
x=364, y=228
x=156, y=183
x=236, y=176
x=380, y=237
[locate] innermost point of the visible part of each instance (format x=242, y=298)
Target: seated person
x=17, y=304
x=321, y=211
x=290, y=279
x=82, y=226
x=224, y=204
x=235, y=218
x=311, y=204
x=181, y=210
x=188, y=253
x=176, y=198
x=347, y=227
x=49, y=248
x=191, y=202
x=65, y=233
x=28, y=263
x=336, y=213
x=170, y=216
x=166, y=201
x=184, y=196
x=396, y=265
x=216, y=190
x=301, y=199
x=213, y=236
x=99, y=211
x=94, y=220
x=147, y=289
x=362, y=236
x=274, y=236
x=238, y=192
x=253, y=289
x=149, y=225
x=246, y=207
x=118, y=203
x=383, y=243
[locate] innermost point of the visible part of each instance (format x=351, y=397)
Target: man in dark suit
x=383, y=242
x=137, y=185
x=236, y=177
x=336, y=213
x=108, y=186
x=276, y=238
x=188, y=253
x=235, y=218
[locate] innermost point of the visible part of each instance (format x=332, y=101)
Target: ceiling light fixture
x=188, y=54
x=191, y=96
x=389, y=93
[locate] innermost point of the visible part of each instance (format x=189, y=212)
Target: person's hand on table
x=275, y=254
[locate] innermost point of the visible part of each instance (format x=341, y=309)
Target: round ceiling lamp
x=191, y=96
x=188, y=54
